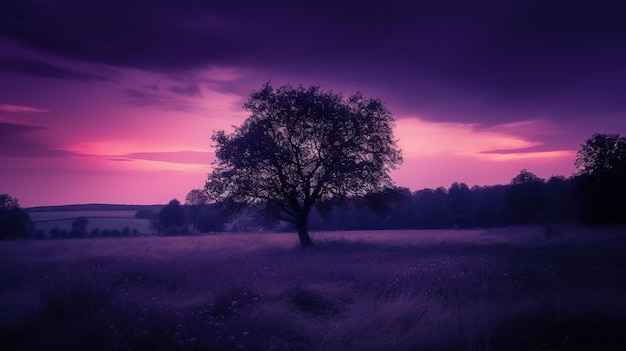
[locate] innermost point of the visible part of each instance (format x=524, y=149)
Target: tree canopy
x=601, y=164
x=601, y=153
x=171, y=217
x=14, y=221
x=525, y=199
x=196, y=199
x=300, y=147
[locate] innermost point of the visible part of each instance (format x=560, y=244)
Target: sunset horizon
x=92, y=112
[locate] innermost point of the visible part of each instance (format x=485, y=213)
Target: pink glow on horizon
x=102, y=186
x=154, y=144
x=142, y=170
x=437, y=171
x=439, y=154
x=549, y=155
x=420, y=138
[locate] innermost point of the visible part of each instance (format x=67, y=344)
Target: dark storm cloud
x=15, y=142
x=488, y=62
x=141, y=34
x=46, y=70
x=184, y=34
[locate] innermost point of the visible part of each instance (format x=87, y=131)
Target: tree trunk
x=303, y=232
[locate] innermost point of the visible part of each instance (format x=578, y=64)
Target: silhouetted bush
x=172, y=230
x=95, y=233
x=526, y=200
x=57, y=233
x=171, y=216
x=40, y=234
x=146, y=214
x=79, y=228
x=210, y=219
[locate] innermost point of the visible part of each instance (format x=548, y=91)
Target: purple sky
x=115, y=101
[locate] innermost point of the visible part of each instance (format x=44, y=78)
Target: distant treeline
x=527, y=199
x=79, y=231
x=94, y=207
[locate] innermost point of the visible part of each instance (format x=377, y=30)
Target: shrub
x=145, y=214
x=174, y=230
x=79, y=227
x=96, y=232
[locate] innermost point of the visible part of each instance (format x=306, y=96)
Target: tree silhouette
x=171, y=216
x=431, y=208
x=79, y=227
x=14, y=221
x=601, y=164
x=196, y=199
x=563, y=205
x=600, y=154
x=304, y=146
x=460, y=202
x=526, y=199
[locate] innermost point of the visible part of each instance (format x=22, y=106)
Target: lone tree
x=301, y=147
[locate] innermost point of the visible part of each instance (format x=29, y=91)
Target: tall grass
x=515, y=289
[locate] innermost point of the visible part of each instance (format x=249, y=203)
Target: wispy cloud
x=183, y=157
x=464, y=140
x=15, y=142
x=7, y=128
x=46, y=70
x=19, y=108
x=135, y=97
x=191, y=90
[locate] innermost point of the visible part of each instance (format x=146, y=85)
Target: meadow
x=103, y=219
x=520, y=288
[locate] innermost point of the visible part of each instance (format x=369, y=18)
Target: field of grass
x=112, y=220
x=504, y=289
